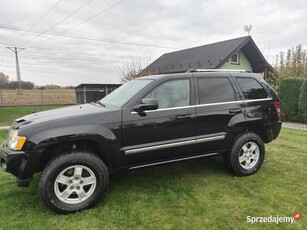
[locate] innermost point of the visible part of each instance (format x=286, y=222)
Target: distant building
x=86, y=93
x=239, y=53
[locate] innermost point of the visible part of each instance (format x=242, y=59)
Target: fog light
x=3, y=165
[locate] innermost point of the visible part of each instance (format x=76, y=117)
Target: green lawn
x=198, y=194
x=9, y=114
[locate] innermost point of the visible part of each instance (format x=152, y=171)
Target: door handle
x=184, y=117
x=235, y=111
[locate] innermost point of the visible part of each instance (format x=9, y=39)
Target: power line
x=3, y=56
x=40, y=19
x=75, y=58
x=78, y=53
x=10, y=27
x=68, y=58
x=65, y=18
x=86, y=20
x=7, y=63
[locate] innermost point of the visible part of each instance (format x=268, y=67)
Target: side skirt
x=171, y=161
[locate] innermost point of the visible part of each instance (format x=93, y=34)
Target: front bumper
x=11, y=161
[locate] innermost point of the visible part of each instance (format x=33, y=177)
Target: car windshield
x=123, y=94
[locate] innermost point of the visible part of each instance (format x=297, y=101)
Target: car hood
x=64, y=113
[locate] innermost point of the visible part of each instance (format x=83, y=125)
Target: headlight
x=15, y=142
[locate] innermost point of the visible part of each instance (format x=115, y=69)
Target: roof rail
x=217, y=70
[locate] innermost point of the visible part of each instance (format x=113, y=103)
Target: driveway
x=294, y=125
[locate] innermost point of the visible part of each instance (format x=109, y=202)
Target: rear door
x=218, y=104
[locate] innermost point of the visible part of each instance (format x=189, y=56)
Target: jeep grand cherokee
x=149, y=121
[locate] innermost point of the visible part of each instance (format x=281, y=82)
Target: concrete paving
x=294, y=125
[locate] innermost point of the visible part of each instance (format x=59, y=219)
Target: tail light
x=277, y=108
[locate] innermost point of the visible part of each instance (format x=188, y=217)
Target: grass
x=198, y=194
x=9, y=114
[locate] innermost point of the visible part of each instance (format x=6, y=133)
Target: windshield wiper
x=103, y=105
x=98, y=103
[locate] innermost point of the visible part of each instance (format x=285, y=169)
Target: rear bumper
x=273, y=130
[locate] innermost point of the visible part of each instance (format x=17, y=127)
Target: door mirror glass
x=146, y=104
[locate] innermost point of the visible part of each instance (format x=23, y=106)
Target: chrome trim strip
x=263, y=99
x=157, y=147
x=170, y=161
x=177, y=144
x=165, y=109
x=208, y=139
x=220, y=103
x=201, y=105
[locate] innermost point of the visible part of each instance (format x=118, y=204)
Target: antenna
x=248, y=29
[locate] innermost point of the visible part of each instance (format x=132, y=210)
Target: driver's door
x=165, y=133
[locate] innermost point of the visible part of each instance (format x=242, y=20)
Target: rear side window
x=251, y=89
x=213, y=90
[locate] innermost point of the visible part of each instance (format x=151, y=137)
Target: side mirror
x=146, y=104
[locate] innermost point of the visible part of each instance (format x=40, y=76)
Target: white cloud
x=277, y=26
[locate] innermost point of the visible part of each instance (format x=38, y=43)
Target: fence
x=37, y=97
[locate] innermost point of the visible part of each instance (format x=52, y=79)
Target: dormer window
x=235, y=59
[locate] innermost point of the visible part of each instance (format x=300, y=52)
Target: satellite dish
x=248, y=29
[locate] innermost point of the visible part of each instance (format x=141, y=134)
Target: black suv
x=148, y=121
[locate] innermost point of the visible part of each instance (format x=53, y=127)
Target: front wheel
x=73, y=181
x=246, y=155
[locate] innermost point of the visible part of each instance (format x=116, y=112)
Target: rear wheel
x=246, y=155
x=73, y=181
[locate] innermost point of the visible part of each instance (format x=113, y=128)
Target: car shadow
x=202, y=168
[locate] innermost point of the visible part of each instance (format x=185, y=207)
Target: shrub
x=302, y=103
x=289, y=92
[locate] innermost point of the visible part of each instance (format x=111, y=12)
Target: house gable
x=212, y=56
x=243, y=63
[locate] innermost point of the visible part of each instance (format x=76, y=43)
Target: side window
x=174, y=93
x=252, y=89
x=213, y=90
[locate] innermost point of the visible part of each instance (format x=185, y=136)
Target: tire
x=246, y=155
x=73, y=181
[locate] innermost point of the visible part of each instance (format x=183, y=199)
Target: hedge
x=302, y=103
x=290, y=94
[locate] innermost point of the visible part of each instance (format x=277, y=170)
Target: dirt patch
x=38, y=97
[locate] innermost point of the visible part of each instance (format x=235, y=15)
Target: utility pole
x=16, y=51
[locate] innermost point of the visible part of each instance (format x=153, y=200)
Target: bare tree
x=291, y=64
x=133, y=68
x=4, y=80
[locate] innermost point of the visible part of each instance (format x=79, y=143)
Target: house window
x=235, y=59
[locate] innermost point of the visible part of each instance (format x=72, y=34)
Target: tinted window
x=213, y=90
x=251, y=89
x=170, y=94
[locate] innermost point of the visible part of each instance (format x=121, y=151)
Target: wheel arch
x=256, y=126
x=92, y=143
